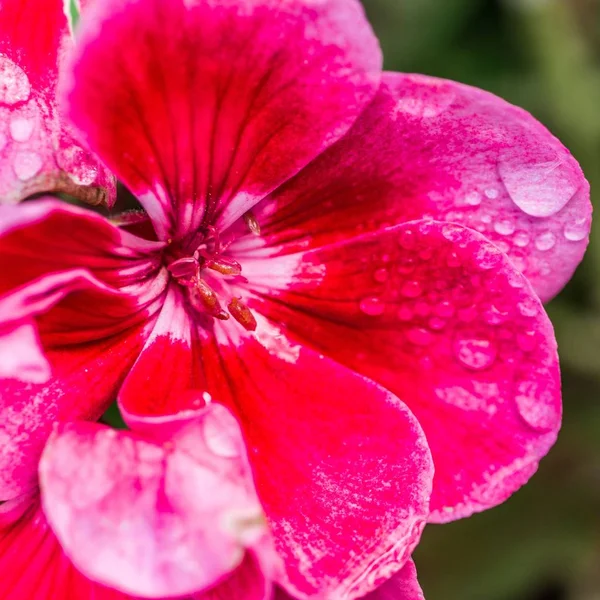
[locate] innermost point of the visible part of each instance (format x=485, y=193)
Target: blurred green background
x=544, y=55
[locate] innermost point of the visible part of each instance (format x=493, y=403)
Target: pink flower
x=346, y=260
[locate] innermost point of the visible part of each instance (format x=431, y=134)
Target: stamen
x=225, y=265
x=252, y=223
x=242, y=314
x=208, y=300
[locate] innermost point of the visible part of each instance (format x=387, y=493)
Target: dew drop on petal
x=475, y=353
x=473, y=199
x=405, y=313
x=372, y=306
x=419, y=336
x=504, y=227
x=491, y=193
x=540, y=188
x=521, y=239
x=14, y=83
x=411, y=289
x=536, y=406
x=437, y=324
x=381, y=275
x=444, y=309
x=27, y=165
x=76, y=162
x=577, y=230
x=407, y=239
x=527, y=340
x=21, y=128
x=528, y=307
x=545, y=241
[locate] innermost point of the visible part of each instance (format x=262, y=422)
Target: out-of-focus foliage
x=544, y=55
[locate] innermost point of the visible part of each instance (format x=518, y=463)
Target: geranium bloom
x=346, y=260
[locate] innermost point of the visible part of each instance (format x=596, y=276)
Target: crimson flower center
x=203, y=265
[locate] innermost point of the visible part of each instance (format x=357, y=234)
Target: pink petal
x=402, y=586
x=82, y=367
x=157, y=386
x=218, y=102
x=428, y=148
x=145, y=517
x=440, y=317
x=340, y=464
x=38, y=152
x=32, y=563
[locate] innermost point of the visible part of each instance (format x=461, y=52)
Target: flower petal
x=428, y=148
x=219, y=102
x=44, y=289
x=38, y=152
x=402, y=586
x=32, y=563
x=439, y=316
x=148, y=518
x=342, y=469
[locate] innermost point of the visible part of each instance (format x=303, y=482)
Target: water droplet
x=381, y=275
x=521, y=239
x=14, y=84
x=437, y=324
x=473, y=199
x=486, y=218
x=491, y=193
x=27, y=165
x=407, y=239
x=419, y=336
x=411, y=289
x=77, y=163
x=494, y=316
x=528, y=307
x=372, y=306
x=504, y=227
x=475, y=353
x=539, y=185
x=405, y=313
x=453, y=260
x=21, y=128
x=527, y=340
x=577, y=230
x=221, y=434
x=545, y=241
x=444, y=309
x=537, y=406
x=488, y=257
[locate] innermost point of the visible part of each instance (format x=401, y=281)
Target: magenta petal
x=341, y=466
x=439, y=316
x=219, y=102
x=148, y=518
x=38, y=153
x=428, y=148
x=402, y=586
x=46, y=249
x=32, y=563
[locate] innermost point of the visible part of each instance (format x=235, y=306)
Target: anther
x=252, y=223
x=242, y=314
x=225, y=265
x=208, y=300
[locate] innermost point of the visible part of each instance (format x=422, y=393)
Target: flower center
x=204, y=266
